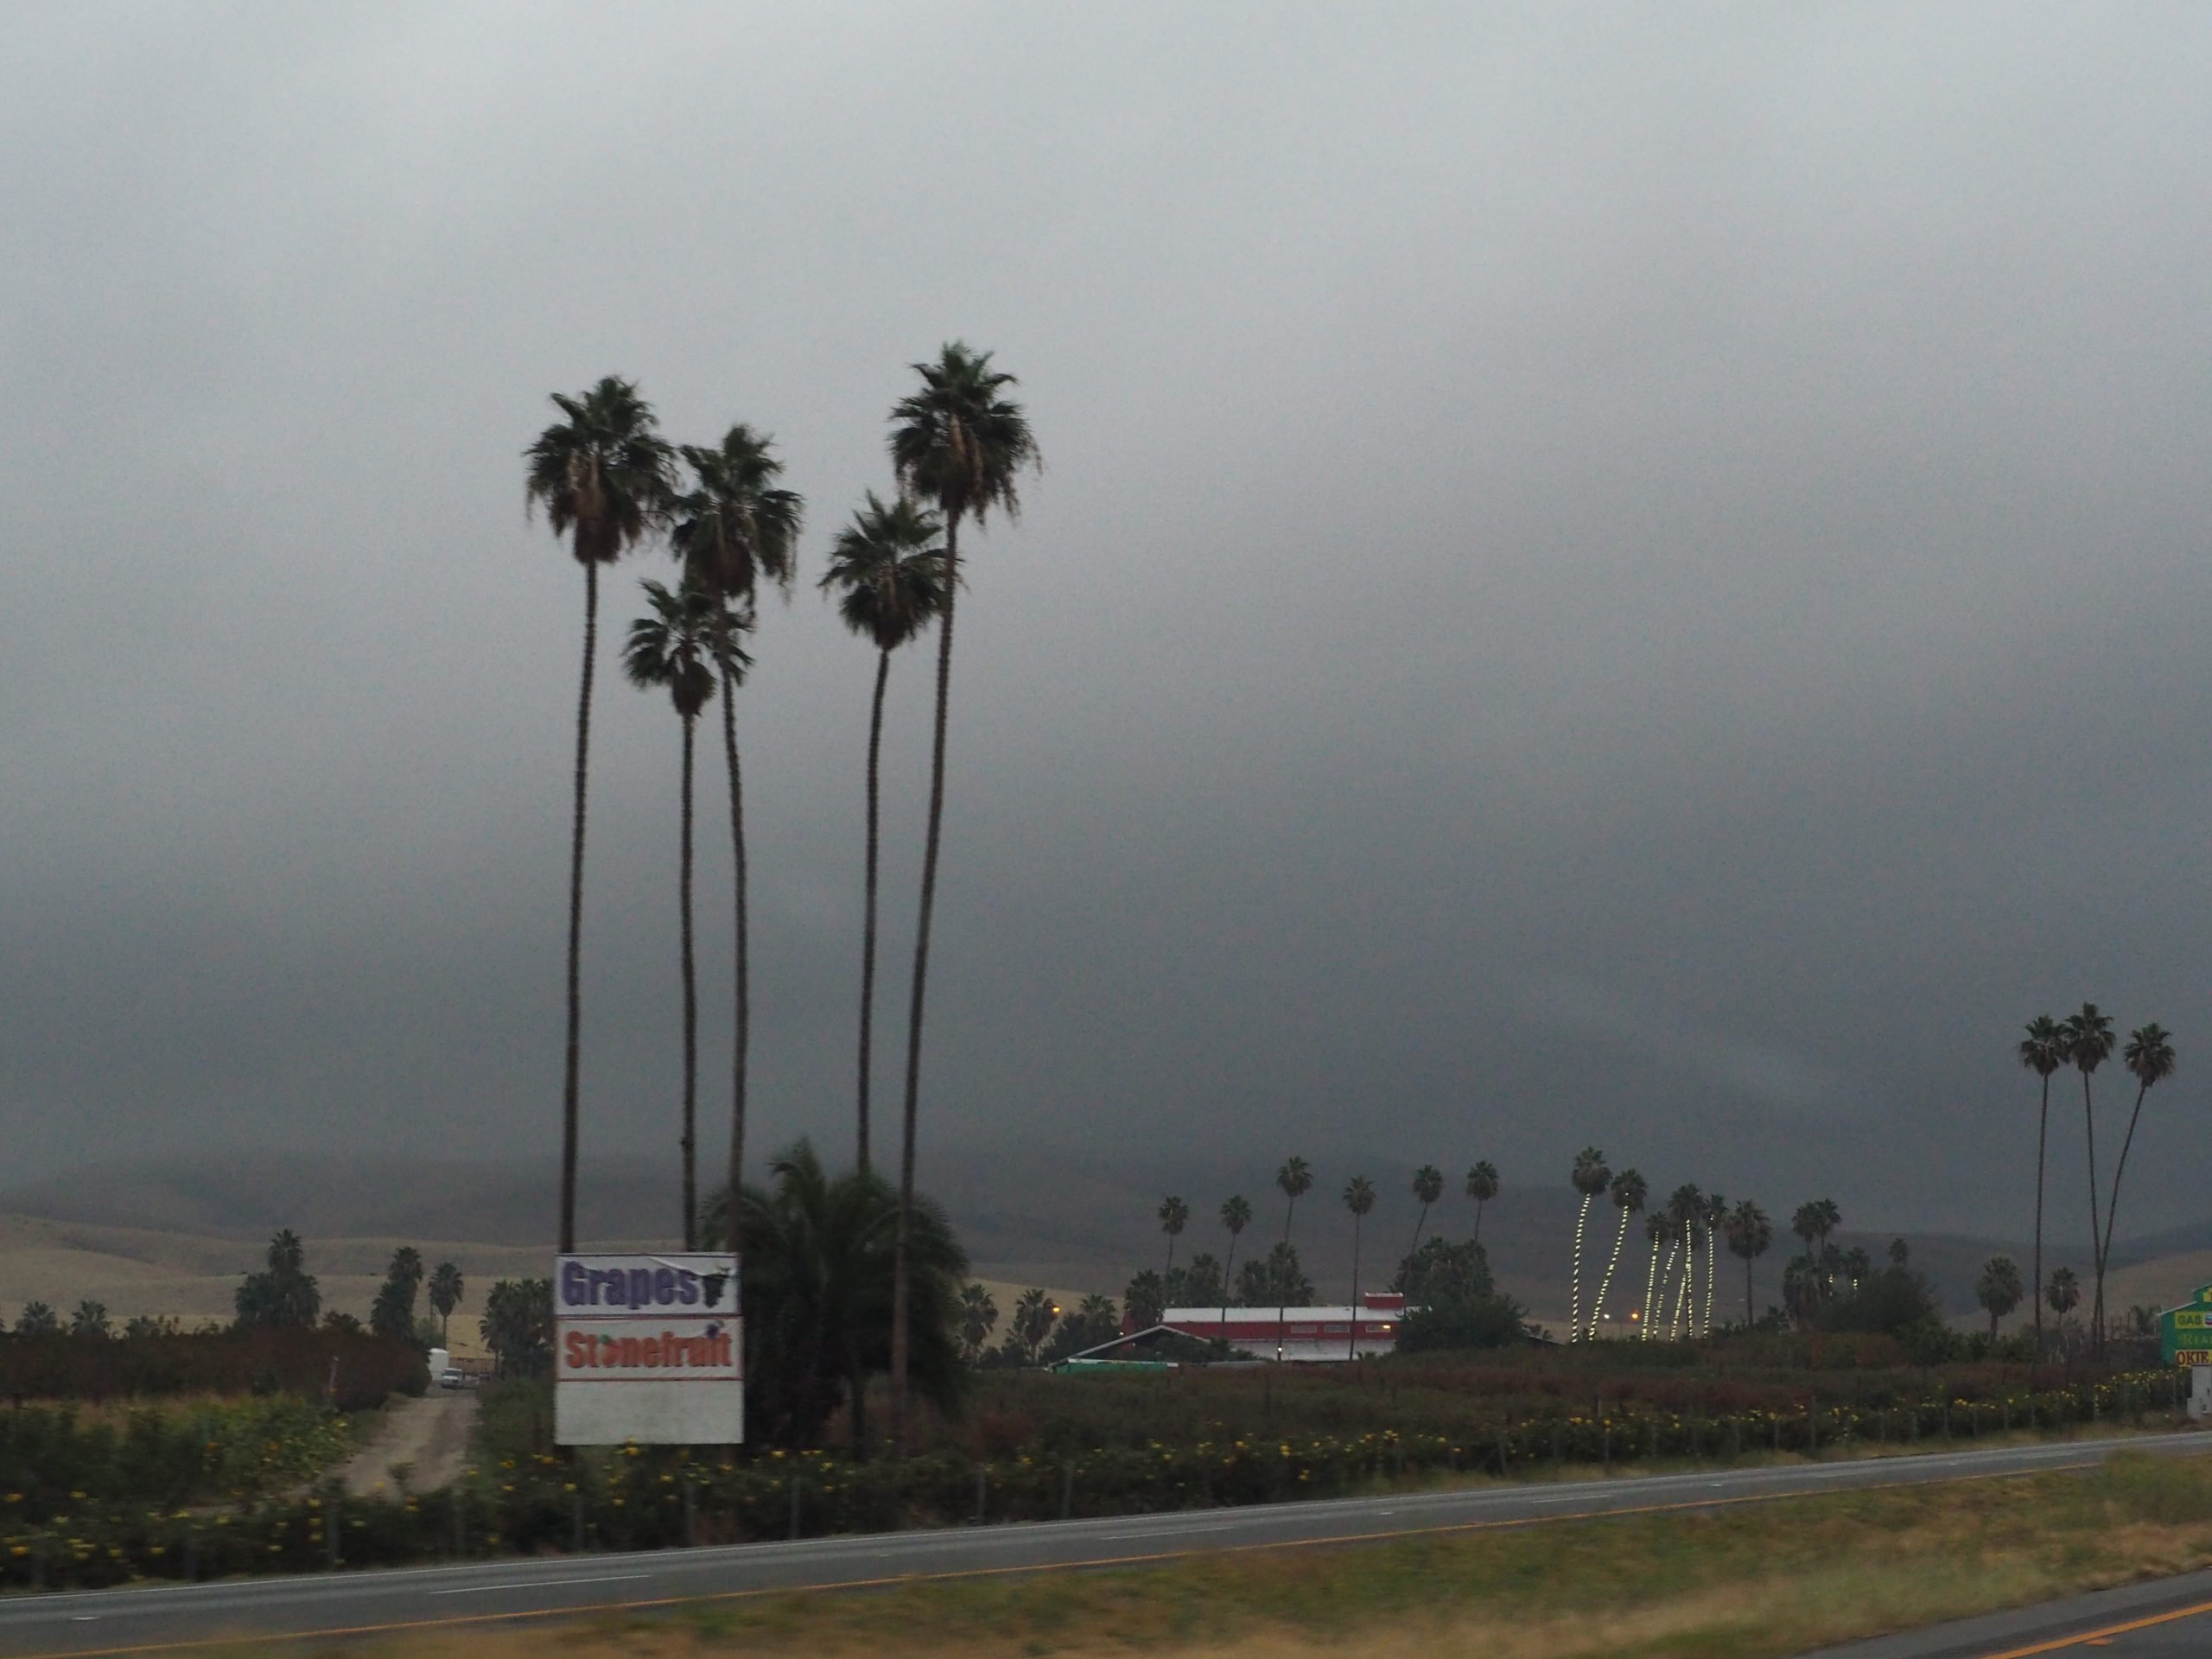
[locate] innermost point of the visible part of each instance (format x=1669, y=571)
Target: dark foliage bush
x=356, y=1371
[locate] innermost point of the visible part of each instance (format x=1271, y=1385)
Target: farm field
x=190, y=1277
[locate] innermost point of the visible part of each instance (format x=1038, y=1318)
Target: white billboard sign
x=648, y=1349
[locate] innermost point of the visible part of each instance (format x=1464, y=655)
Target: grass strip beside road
x=1742, y=1582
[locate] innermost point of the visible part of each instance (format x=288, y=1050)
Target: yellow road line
x=2097, y=1637
x=587, y=1609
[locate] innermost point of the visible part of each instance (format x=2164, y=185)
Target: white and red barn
x=1308, y=1334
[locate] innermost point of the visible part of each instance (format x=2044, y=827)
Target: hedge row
x=641, y=1499
x=356, y=1371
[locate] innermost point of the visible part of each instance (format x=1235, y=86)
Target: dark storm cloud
x=1601, y=577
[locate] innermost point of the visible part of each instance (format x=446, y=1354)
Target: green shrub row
x=642, y=1498
x=54, y=1458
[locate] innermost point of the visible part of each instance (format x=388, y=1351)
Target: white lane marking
x=1168, y=1532
x=540, y=1584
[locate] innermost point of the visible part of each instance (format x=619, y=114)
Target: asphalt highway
x=153, y=1618
x=2171, y=1618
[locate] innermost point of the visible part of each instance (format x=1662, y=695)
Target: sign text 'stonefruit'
x=648, y=1349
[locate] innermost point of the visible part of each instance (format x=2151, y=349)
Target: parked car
x=450, y=1378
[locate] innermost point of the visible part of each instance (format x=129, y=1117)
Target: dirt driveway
x=426, y=1440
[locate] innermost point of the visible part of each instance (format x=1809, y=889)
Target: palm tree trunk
x=899, y=1269
x=1682, y=1288
x=1749, y=1316
x=1605, y=1285
x=1575, y=1274
x=737, y=854
x=1478, y=1220
x=1282, y=1287
x=1651, y=1289
x=568, y=1111
x=1420, y=1222
x=691, y=1017
x=2111, y=1209
x=1351, y=1347
x=1171, y=1262
x=2034, y=1285
x=1226, y=1272
x=868, y=934
x=2096, y=1232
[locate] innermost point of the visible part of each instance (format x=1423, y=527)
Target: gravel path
x=427, y=1438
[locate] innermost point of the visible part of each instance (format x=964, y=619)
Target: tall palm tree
x=1296, y=1178
x=2089, y=1042
x=888, y=570
x=979, y=1312
x=1482, y=1187
x=2041, y=1050
x=1629, y=1192
x=1714, y=1217
x=669, y=648
x=1830, y=1219
x=1657, y=1229
x=2063, y=1292
x=1749, y=1233
x=734, y=527
x=445, y=1296
x=1360, y=1198
x=1428, y=1187
x=602, y=473
x=2149, y=1057
x=1236, y=1216
x=1806, y=1223
x=1999, y=1289
x=1590, y=1176
x=960, y=444
x=1174, y=1216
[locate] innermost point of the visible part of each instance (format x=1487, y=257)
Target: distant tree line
x=282, y=1295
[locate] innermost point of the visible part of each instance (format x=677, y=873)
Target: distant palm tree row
x=1294, y=1180
x=1689, y=1224
x=608, y=482
x=2085, y=1041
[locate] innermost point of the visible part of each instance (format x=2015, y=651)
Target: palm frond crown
x=603, y=471
x=2089, y=1038
x=2150, y=1054
x=737, y=525
x=888, y=570
x=671, y=646
x=959, y=442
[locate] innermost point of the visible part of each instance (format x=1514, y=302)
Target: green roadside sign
x=2185, y=1332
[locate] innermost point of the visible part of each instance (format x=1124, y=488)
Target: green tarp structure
x=2185, y=1332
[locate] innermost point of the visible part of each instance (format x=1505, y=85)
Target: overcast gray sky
x=1605, y=574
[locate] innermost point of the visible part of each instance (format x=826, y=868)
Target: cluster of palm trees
x=1689, y=1224
x=1294, y=1180
x=609, y=482
x=2085, y=1040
